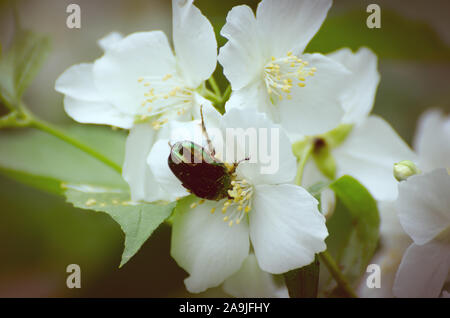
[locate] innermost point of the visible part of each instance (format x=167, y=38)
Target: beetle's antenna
x=170, y=144
x=208, y=140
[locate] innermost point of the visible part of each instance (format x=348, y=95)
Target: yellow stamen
x=280, y=74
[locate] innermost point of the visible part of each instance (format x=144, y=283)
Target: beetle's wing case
x=198, y=171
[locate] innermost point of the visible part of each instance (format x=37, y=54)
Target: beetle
x=199, y=171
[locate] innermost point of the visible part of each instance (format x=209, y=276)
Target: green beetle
x=199, y=171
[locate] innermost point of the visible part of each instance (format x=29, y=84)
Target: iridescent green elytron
x=199, y=171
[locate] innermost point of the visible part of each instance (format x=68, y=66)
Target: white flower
x=140, y=84
x=423, y=209
x=278, y=219
x=265, y=64
x=83, y=101
x=139, y=78
x=143, y=144
x=372, y=147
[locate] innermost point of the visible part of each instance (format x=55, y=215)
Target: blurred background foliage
x=41, y=234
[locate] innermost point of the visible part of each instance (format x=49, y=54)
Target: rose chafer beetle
x=199, y=171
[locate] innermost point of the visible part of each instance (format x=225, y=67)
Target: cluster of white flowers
x=269, y=224
x=415, y=226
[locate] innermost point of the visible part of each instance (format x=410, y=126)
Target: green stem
x=52, y=130
x=6, y=104
x=333, y=268
x=301, y=164
x=214, y=86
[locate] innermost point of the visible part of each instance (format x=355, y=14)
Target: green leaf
x=137, y=220
x=7, y=91
x=47, y=184
x=21, y=63
x=398, y=37
x=30, y=51
x=184, y=205
x=34, y=157
x=304, y=282
x=353, y=227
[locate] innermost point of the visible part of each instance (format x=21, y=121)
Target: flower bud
x=405, y=169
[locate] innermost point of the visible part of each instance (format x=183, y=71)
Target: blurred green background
x=40, y=234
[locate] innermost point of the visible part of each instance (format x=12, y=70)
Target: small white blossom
x=423, y=210
x=265, y=64
x=140, y=79
x=279, y=220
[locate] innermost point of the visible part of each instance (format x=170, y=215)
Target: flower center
x=239, y=202
x=164, y=96
x=280, y=75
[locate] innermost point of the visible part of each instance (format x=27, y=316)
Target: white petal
x=369, y=154
x=392, y=235
x=252, y=97
x=138, y=55
x=423, y=205
x=270, y=152
x=432, y=141
x=423, y=270
x=143, y=186
x=241, y=57
x=194, y=41
x=289, y=25
x=191, y=131
x=286, y=228
x=96, y=112
x=109, y=40
x=327, y=202
x=315, y=108
x=157, y=161
x=206, y=247
x=211, y=115
x=360, y=92
x=312, y=175
x=250, y=281
x=78, y=82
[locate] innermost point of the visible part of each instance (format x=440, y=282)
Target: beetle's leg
x=208, y=140
x=170, y=144
x=236, y=164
